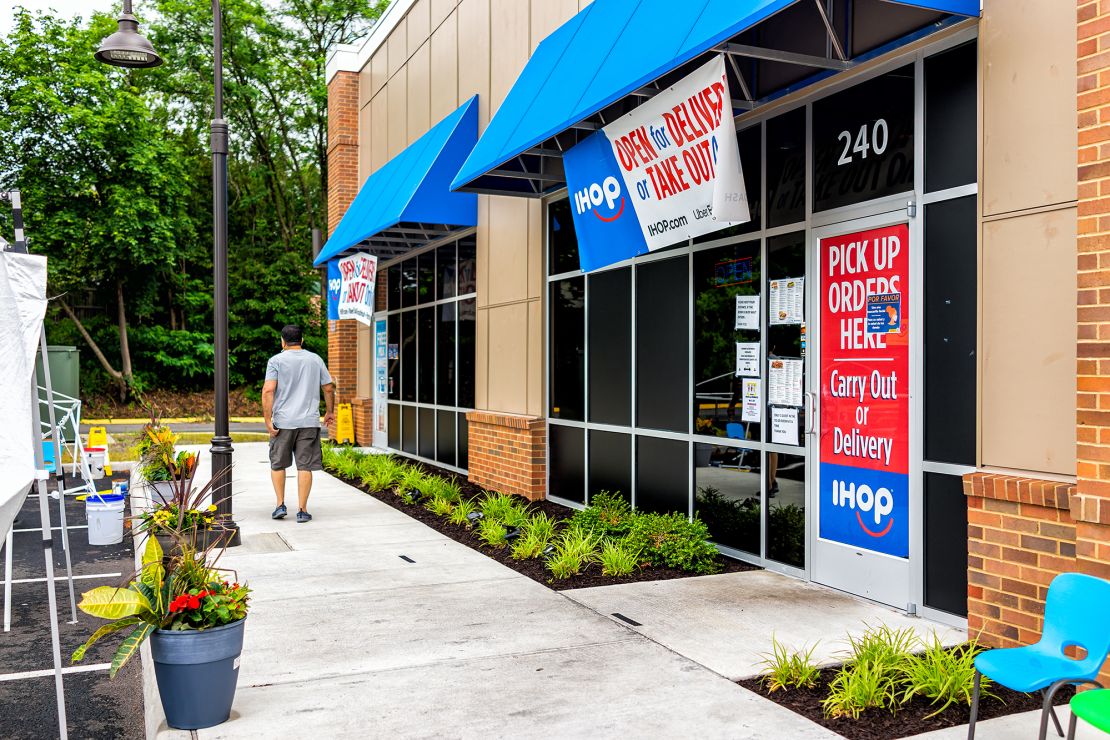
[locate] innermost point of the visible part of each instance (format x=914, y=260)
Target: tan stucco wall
x=1027, y=205
x=440, y=54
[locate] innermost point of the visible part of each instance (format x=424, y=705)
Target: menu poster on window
x=747, y=359
x=752, y=408
x=747, y=312
x=864, y=419
x=786, y=304
x=784, y=426
x=784, y=382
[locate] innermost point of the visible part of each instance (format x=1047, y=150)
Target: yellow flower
x=211, y=507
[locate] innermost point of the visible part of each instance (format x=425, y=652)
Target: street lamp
x=128, y=48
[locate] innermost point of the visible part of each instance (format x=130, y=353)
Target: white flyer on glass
x=747, y=312
x=784, y=426
x=752, y=400
x=747, y=359
x=784, y=382
x=786, y=303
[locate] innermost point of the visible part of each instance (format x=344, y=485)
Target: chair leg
x=1071, y=727
x=974, y=707
x=1047, y=710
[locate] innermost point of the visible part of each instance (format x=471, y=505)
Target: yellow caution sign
x=344, y=424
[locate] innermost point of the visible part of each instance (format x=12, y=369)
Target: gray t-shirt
x=299, y=375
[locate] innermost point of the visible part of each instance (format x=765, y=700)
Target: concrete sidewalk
x=347, y=638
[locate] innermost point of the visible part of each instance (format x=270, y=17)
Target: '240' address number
x=873, y=140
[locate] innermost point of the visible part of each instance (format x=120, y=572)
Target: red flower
x=194, y=602
x=179, y=603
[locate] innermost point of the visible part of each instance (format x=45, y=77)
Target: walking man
x=291, y=407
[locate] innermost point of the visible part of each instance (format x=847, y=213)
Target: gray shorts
x=302, y=444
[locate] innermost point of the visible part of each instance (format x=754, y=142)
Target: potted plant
x=194, y=617
x=184, y=516
x=160, y=463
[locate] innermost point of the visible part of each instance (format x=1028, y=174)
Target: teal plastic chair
x=1093, y=707
x=1074, y=615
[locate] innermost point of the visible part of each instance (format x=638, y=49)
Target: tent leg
x=60, y=479
x=48, y=553
x=8, y=580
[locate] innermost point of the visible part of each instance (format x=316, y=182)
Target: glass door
x=860, y=441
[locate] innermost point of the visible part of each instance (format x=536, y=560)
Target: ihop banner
x=335, y=282
x=865, y=335
x=667, y=171
x=358, y=277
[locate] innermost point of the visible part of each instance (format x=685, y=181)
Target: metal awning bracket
x=787, y=57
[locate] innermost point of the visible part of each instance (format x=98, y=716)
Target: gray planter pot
x=197, y=671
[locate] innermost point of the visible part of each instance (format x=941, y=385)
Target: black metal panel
x=467, y=314
x=445, y=354
x=394, y=287
x=610, y=463
x=408, y=429
x=445, y=271
x=567, y=457
x=662, y=342
x=408, y=282
x=464, y=441
x=445, y=441
x=427, y=439
x=611, y=346
x=951, y=305
x=393, y=353
x=426, y=277
x=468, y=266
x=863, y=141
x=567, y=316
x=662, y=475
x=950, y=124
x=394, y=426
x=945, y=544
x=408, y=356
x=786, y=168
x=426, y=318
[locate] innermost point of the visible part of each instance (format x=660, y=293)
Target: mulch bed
x=535, y=568
x=911, y=718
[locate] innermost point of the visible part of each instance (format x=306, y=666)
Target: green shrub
x=384, y=473
x=449, y=490
x=887, y=648
x=348, y=466
x=535, y=535
x=504, y=508
x=564, y=565
x=608, y=513
x=617, y=558
x=860, y=686
x=581, y=542
x=428, y=486
x=729, y=520
x=460, y=513
x=412, y=478
x=492, y=532
x=943, y=676
x=439, y=506
x=788, y=669
x=674, y=541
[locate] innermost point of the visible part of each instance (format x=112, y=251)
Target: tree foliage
x=115, y=171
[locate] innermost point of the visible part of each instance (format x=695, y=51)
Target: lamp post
x=129, y=48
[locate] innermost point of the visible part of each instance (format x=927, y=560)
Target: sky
x=66, y=8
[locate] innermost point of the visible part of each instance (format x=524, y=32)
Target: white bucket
x=95, y=456
x=104, y=512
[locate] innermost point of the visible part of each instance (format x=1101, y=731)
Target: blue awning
x=408, y=202
x=613, y=54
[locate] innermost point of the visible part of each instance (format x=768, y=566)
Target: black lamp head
x=127, y=47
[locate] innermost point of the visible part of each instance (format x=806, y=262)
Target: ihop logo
x=604, y=199
x=334, y=284
x=872, y=506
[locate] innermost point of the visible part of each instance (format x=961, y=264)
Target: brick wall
x=507, y=453
x=362, y=411
x=342, y=188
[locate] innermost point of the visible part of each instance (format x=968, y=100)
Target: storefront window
x=468, y=267
x=408, y=283
x=567, y=311
x=427, y=356
x=562, y=244
x=426, y=277
x=393, y=287
x=467, y=316
x=393, y=352
x=726, y=281
x=568, y=463
x=445, y=437
x=662, y=474
x=786, y=168
x=610, y=463
x=408, y=356
x=786, y=508
x=863, y=141
x=445, y=354
x=726, y=495
x=786, y=309
x=445, y=271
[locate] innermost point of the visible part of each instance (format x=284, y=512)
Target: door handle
x=811, y=405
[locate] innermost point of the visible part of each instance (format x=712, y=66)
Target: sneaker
x=279, y=512
x=773, y=491
x=303, y=516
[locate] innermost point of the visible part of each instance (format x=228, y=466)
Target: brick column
x=1091, y=504
x=506, y=453
x=342, y=188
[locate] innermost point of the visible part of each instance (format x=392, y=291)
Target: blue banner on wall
x=865, y=508
x=335, y=282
